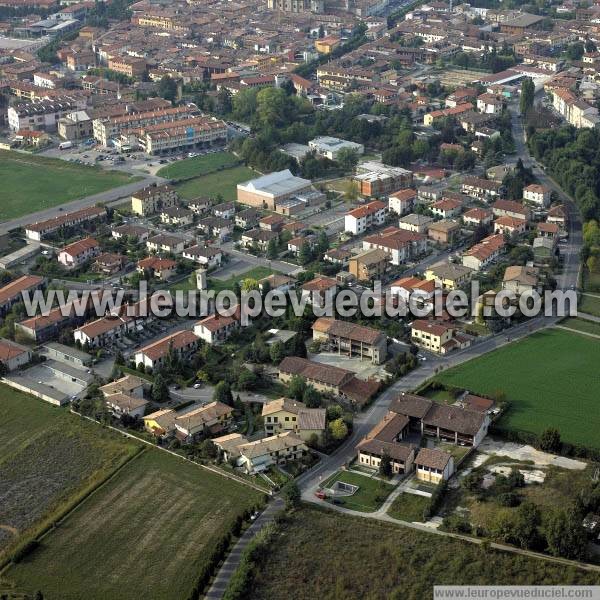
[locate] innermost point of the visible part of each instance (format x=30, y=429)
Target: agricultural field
x=409, y=507
x=48, y=458
x=31, y=183
x=589, y=304
x=328, y=555
x=152, y=526
x=371, y=493
x=582, y=325
x=220, y=182
x=199, y=165
x=550, y=379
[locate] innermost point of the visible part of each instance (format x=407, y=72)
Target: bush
x=24, y=550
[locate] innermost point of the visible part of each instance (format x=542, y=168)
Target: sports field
x=221, y=182
x=551, y=379
x=48, y=458
x=198, y=166
x=145, y=534
x=31, y=183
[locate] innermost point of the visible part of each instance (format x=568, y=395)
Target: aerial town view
x=299, y=299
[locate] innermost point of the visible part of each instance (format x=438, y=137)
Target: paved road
x=109, y=197
x=232, y=562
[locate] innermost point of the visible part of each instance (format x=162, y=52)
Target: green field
x=227, y=284
x=409, y=507
x=589, y=304
x=370, y=495
x=48, y=458
x=198, y=166
x=146, y=534
x=222, y=182
x=33, y=183
x=551, y=379
x=327, y=555
x=582, y=325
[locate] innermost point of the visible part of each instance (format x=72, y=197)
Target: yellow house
x=433, y=466
x=449, y=276
x=430, y=335
x=285, y=414
x=160, y=423
x=327, y=44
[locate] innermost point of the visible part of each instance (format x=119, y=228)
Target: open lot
x=589, y=304
x=222, y=182
x=582, y=325
x=550, y=378
x=198, y=166
x=152, y=526
x=328, y=555
x=47, y=458
x=409, y=507
x=31, y=183
x=226, y=284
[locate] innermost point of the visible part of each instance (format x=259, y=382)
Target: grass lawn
x=33, y=183
x=48, y=457
x=198, y=166
x=590, y=305
x=227, y=284
x=222, y=182
x=409, y=507
x=582, y=325
x=371, y=493
x=329, y=555
x=591, y=281
x=551, y=379
x=146, y=534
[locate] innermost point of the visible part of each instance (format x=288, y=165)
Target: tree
x=305, y=254
x=296, y=388
x=208, y=449
x=246, y=380
x=575, y=51
x=565, y=534
x=272, y=249
x=224, y=104
x=299, y=348
x=323, y=242
x=348, y=159
x=385, y=465
x=291, y=494
x=550, y=440
x=119, y=358
x=160, y=390
x=277, y=352
x=338, y=429
x=311, y=397
x=351, y=190
x=222, y=393
x=167, y=88
x=527, y=95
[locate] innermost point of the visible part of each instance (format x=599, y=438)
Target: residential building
x=549, y=230
x=283, y=283
x=482, y=189
x=510, y=225
x=103, y=331
x=538, y=194
x=320, y=290
x=131, y=66
x=215, y=329
x=13, y=355
x=208, y=256
x=421, y=291
x=41, y=229
x=446, y=208
x=160, y=268
x=225, y=210
x=369, y=264
x=109, y=263
x=133, y=232
x=176, y=215
x=161, y=423
x=437, y=115
x=519, y=279
x=130, y=385
x=371, y=451
x=258, y=238
x=216, y=227
x=181, y=343
x=485, y=252
x=360, y=219
x=478, y=216
x=153, y=199
x=290, y=415
x=378, y=180
x=170, y=244
x=402, y=201
x=450, y=276
x=415, y=222
x=558, y=215
x=208, y=420
x=442, y=421
x=443, y=232
x=42, y=115
x=510, y=208
x=337, y=256
x=247, y=218
x=121, y=404
x=273, y=450
x=544, y=250
x=76, y=254
x=490, y=104
x=351, y=339
x=433, y=465
x=272, y=223
x=399, y=244
x=13, y=292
